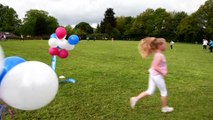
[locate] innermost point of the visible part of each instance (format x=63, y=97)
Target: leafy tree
x=98, y=29
x=160, y=18
x=205, y=18
x=115, y=33
x=41, y=26
x=108, y=29
x=80, y=33
x=199, y=25
x=9, y=20
x=109, y=17
x=173, y=23
x=120, y=24
x=52, y=24
x=102, y=27
x=123, y=24
x=190, y=30
x=158, y=23
x=128, y=24
x=109, y=22
x=69, y=29
x=85, y=27
x=143, y=25
x=38, y=22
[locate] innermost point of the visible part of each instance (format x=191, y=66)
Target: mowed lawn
x=109, y=73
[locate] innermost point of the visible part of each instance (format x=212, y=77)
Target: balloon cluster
x=26, y=85
x=59, y=45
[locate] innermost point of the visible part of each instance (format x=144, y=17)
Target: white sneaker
x=133, y=102
x=167, y=109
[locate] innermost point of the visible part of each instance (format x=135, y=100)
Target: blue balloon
x=9, y=63
x=73, y=39
x=53, y=35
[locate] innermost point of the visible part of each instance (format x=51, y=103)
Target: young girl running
x=157, y=71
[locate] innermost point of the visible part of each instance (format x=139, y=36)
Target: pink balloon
x=63, y=54
x=60, y=32
x=53, y=51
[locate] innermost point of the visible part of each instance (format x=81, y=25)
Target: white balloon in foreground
x=62, y=43
x=65, y=45
x=69, y=47
x=53, y=42
x=1, y=59
x=29, y=86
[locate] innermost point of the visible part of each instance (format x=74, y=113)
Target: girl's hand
x=11, y=113
x=164, y=74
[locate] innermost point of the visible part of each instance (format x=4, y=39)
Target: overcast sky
x=92, y=11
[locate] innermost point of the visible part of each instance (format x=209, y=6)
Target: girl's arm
x=156, y=64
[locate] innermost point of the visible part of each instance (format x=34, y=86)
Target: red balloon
x=63, y=54
x=60, y=32
x=53, y=51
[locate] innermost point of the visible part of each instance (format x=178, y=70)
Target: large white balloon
x=29, y=86
x=1, y=59
x=53, y=42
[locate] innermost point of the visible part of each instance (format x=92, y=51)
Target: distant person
x=211, y=46
x=4, y=37
x=172, y=44
x=22, y=37
x=112, y=39
x=205, y=43
x=157, y=72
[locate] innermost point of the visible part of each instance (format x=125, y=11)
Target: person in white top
x=4, y=37
x=205, y=43
x=172, y=44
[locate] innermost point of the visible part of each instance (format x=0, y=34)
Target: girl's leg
x=142, y=95
x=150, y=91
x=134, y=100
x=164, y=101
x=159, y=81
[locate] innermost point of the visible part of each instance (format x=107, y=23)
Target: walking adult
x=205, y=43
x=172, y=44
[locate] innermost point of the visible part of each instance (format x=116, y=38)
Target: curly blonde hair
x=150, y=44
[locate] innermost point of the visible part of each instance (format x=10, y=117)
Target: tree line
x=177, y=26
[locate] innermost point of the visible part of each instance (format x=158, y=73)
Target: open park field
x=109, y=73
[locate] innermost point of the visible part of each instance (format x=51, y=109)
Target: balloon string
x=53, y=62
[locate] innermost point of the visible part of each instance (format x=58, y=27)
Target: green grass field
x=108, y=74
